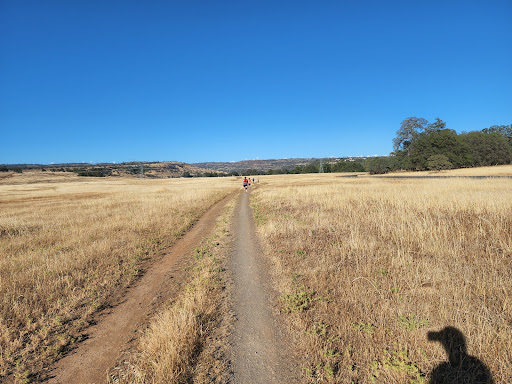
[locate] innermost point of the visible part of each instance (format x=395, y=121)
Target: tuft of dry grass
x=367, y=267
x=69, y=249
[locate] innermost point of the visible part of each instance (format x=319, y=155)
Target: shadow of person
x=460, y=367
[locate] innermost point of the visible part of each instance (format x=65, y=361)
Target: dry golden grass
x=500, y=170
x=35, y=176
x=70, y=245
x=174, y=348
x=367, y=267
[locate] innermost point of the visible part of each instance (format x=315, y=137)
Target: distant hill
x=166, y=169
x=264, y=165
x=134, y=169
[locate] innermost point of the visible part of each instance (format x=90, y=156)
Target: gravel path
x=260, y=352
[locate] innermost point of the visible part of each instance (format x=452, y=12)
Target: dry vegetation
x=186, y=342
x=366, y=267
x=70, y=245
x=500, y=170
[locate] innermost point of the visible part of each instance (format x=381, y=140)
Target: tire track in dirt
x=90, y=361
x=260, y=352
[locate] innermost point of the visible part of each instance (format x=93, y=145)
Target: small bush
x=298, y=301
x=438, y=162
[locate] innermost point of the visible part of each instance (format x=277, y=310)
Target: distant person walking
x=245, y=183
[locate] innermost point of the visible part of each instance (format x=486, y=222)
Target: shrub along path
x=106, y=340
x=260, y=351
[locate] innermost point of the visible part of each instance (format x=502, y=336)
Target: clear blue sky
x=112, y=80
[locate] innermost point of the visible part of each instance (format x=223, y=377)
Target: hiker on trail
x=245, y=183
x=253, y=180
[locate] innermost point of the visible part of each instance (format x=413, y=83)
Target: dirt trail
x=89, y=363
x=260, y=352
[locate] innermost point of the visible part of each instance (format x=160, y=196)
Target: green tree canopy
x=444, y=142
x=380, y=165
x=504, y=130
x=488, y=148
x=436, y=126
x=417, y=141
x=409, y=130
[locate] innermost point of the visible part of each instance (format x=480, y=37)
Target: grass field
x=367, y=267
x=70, y=245
x=500, y=170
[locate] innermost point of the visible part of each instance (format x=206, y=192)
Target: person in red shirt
x=245, y=183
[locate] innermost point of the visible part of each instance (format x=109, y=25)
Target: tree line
x=420, y=145
x=343, y=165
